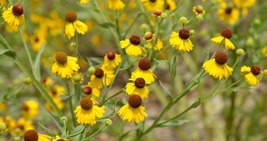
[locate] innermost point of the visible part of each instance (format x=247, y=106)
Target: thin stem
x=114, y=95
x=70, y=104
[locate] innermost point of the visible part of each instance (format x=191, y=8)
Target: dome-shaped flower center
x=86, y=103
x=25, y=107
x=135, y=40
x=152, y=0
x=199, y=9
x=99, y=73
x=144, y=64
x=157, y=12
x=221, y=58
x=17, y=10
x=256, y=70
x=60, y=140
x=87, y=90
x=111, y=55
x=184, y=33
x=30, y=135
x=226, y=33
x=135, y=101
x=61, y=58
x=168, y=6
x=36, y=39
x=140, y=83
x=228, y=10
x=71, y=16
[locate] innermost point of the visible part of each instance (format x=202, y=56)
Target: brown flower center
x=60, y=140
x=86, y=103
x=256, y=70
x=135, y=40
x=168, y=6
x=144, y=64
x=111, y=55
x=199, y=9
x=61, y=58
x=227, y=33
x=135, y=101
x=25, y=107
x=152, y=0
x=228, y=10
x=99, y=73
x=221, y=58
x=184, y=33
x=87, y=90
x=71, y=16
x=17, y=10
x=140, y=83
x=30, y=135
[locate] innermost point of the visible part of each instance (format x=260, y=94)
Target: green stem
x=230, y=117
x=70, y=104
x=114, y=95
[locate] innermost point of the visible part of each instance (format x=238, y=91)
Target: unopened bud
x=3, y=128
x=108, y=122
x=250, y=42
x=183, y=20
x=27, y=80
x=144, y=27
x=240, y=52
x=148, y=35
x=199, y=17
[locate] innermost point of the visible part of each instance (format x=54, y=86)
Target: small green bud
x=64, y=119
x=27, y=80
x=257, y=21
x=144, y=27
x=164, y=15
x=191, y=32
x=91, y=70
x=250, y=41
x=108, y=122
x=3, y=128
x=77, y=77
x=73, y=44
x=183, y=20
x=199, y=17
x=240, y=52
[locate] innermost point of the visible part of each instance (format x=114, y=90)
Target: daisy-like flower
x=228, y=14
x=199, y=10
x=144, y=71
x=14, y=15
x=137, y=86
x=30, y=109
x=217, y=66
x=264, y=51
x=32, y=135
x=93, y=93
x=65, y=66
x=181, y=41
x=244, y=3
x=116, y=5
x=149, y=39
x=83, y=1
x=251, y=74
x=170, y=5
x=111, y=60
x=152, y=5
x=133, y=46
x=74, y=25
x=22, y=125
x=224, y=39
x=133, y=111
x=87, y=112
x=37, y=41
x=100, y=77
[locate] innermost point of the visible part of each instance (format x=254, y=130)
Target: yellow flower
x=3, y=3
x=87, y=112
x=251, y=74
x=199, y=10
x=132, y=46
x=244, y=3
x=57, y=138
x=30, y=109
x=223, y=39
x=93, y=93
x=116, y=5
x=14, y=15
x=37, y=41
x=65, y=66
x=22, y=126
x=137, y=86
x=133, y=111
x=157, y=46
x=152, y=5
x=144, y=71
x=264, y=51
x=32, y=135
x=9, y=121
x=217, y=66
x=170, y=5
x=97, y=80
x=74, y=25
x=83, y=1
x=181, y=41
x=228, y=14
x=111, y=60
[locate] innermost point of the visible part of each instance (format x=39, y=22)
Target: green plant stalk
x=230, y=117
x=114, y=95
x=70, y=105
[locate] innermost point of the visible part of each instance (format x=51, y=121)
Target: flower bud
x=144, y=27
x=108, y=122
x=27, y=80
x=183, y=20
x=199, y=17
x=3, y=127
x=240, y=52
x=148, y=35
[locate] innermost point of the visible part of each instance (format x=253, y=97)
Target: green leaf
x=36, y=65
x=174, y=123
x=76, y=131
x=48, y=131
x=65, y=97
x=165, y=89
x=8, y=52
x=3, y=51
x=106, y=25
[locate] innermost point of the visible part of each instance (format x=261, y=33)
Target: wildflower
x=77, y=78
x=133, y=111
x=150, y=40
x=3, y=3
x=199, y=10
x=111, y=60
x=93, y=93
x=264, y=51
x=87, y=112
x=37, y=41
x=170, y=5
x=217, y=66
x=9, y=121
x=228, y=14
x=100, y=77
x=132, y=46
x=251, y=74
x=14, y=15
x=244, y=3
x=137, y=86
x=30, y=109
x=152, y=5
x=73, y=25
x=32, y=135
x=181, y=41
x=116, y=5
x=144, y=71
x=65, y=66
x=22, y=125
x=83, y=1
x=224, y=39
x=3, y=128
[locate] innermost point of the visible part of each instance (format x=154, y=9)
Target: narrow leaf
x=36, y=65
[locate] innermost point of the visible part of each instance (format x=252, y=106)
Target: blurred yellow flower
x=116, y=5
x=228, y=14
x=83, y=1
x=30, y=109
x=152, y=5
x=111, y=60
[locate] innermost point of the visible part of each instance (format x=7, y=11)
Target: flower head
x=217, y=66
x=14, y=15
x=32, y=135
x=133, y=111
x=170, y=5
x=199, y=10
x=132, y=46
x=87, y=112
x=224, y=39
x=137, y=86
x=152, y=5
x=251, y=74
x=181, y=41
x=74, y=25
x=111, y=60
x=93, y=93
x=30, y=109
x=100, y=78
x=116, y=5
x=228, y=14
x=65, y=66
x=144, y=71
